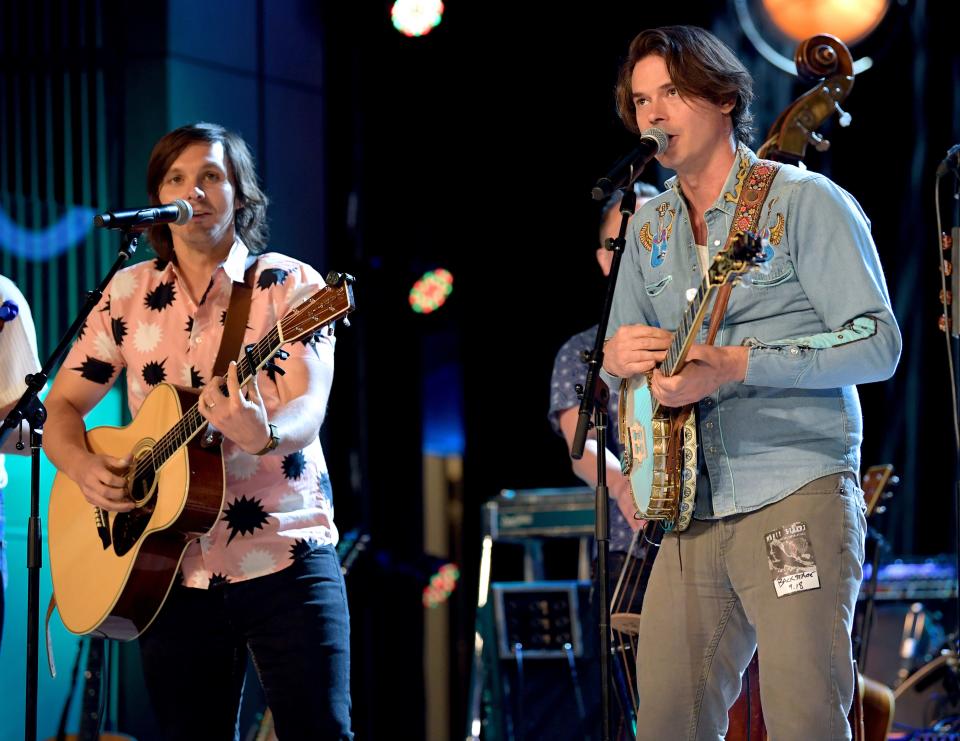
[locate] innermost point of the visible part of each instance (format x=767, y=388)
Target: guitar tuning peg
x=946, y=297
x=946, y=241
x=579, y=389
x=818, y=142
x=880, y=510
x=944, y=323
x=947, y=268
x=845, y=118
x=894, y=481
x=346, y=321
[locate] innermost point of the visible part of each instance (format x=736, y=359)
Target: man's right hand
x=635, y=349
x=101, y=480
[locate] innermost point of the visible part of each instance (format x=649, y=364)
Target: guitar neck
x=686, y=333
x=192, y=422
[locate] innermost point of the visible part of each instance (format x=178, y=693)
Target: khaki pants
x=712, y=599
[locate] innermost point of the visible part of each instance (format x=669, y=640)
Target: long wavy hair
x=250, y=218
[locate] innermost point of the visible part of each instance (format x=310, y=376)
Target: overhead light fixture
x=848, y=20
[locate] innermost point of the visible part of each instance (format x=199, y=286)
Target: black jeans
x=295, y=625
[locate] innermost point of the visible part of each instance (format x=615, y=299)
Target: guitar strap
x=746, y=216
x=236, y=322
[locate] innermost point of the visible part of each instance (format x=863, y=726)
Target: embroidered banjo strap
x=746, y=216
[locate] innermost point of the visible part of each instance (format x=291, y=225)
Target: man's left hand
x=708, y=367
x=239, y=417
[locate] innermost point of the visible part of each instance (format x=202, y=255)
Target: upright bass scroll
x=826, y=60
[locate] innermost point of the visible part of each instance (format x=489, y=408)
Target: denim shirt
x=816, y=318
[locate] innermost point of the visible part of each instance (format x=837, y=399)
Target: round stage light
x=848, y=20
x=431, y=291
x=416, y=17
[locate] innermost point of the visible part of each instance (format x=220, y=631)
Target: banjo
x=660, y=443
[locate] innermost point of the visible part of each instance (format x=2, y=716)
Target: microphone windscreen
x=659, y=136
x=185, y=211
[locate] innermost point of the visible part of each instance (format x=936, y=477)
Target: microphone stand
x=31, y=409
x=594, y=396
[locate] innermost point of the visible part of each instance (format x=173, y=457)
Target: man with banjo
x=771, y=559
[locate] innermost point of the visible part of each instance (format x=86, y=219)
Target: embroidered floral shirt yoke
x=277, y=508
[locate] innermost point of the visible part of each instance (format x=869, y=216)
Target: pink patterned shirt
x=277, y=507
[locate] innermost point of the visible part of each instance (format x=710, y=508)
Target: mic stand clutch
x=594, y=396
x=30, y=408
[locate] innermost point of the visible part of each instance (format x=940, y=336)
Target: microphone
x=653, y=141
x=950, y=162
x=136, y=220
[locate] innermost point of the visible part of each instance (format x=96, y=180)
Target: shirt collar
x=236, y=263
x=730, y=194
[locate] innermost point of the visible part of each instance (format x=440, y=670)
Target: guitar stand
x=31, y=409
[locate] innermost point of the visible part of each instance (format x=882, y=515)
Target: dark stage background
x=473, y=148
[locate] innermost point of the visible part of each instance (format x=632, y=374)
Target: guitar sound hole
x=129, y=526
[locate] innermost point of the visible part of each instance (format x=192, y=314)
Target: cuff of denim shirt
x=779, y=367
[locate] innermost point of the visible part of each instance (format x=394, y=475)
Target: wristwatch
x=273, y=442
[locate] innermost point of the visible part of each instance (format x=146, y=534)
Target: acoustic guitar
x=112, y=571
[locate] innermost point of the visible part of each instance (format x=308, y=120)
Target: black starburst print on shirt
x=83, y=328
x=196, y=380
x=119, y=327
x=243, y=516
x=302, y=548
x=106, y=306
x=95, y=370
x=189, y=324
x=218, y=580
x=271, y=277
x=293, y=465
x=160, y=297
x=154, y=372
x=160, y=264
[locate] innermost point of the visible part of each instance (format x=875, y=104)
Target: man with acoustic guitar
x=265, y=580
x=772, y=557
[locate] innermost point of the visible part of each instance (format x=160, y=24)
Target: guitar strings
x=192, y=421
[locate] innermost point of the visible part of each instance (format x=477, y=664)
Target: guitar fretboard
x=320, y=309
x=191, y=422
x=689, y=324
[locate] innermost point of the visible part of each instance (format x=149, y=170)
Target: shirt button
x=198, y=339
x=709, y=425
x=713, y=450
x=794, y=351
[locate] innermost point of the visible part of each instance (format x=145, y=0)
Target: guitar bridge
x=103, y=528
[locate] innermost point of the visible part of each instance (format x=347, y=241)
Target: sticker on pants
x=790, y=557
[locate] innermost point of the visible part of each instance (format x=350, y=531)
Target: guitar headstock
x=877, y=484
x=742, y=251
x=333, y=301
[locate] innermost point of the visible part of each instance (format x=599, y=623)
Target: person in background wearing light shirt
x=18, y=358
